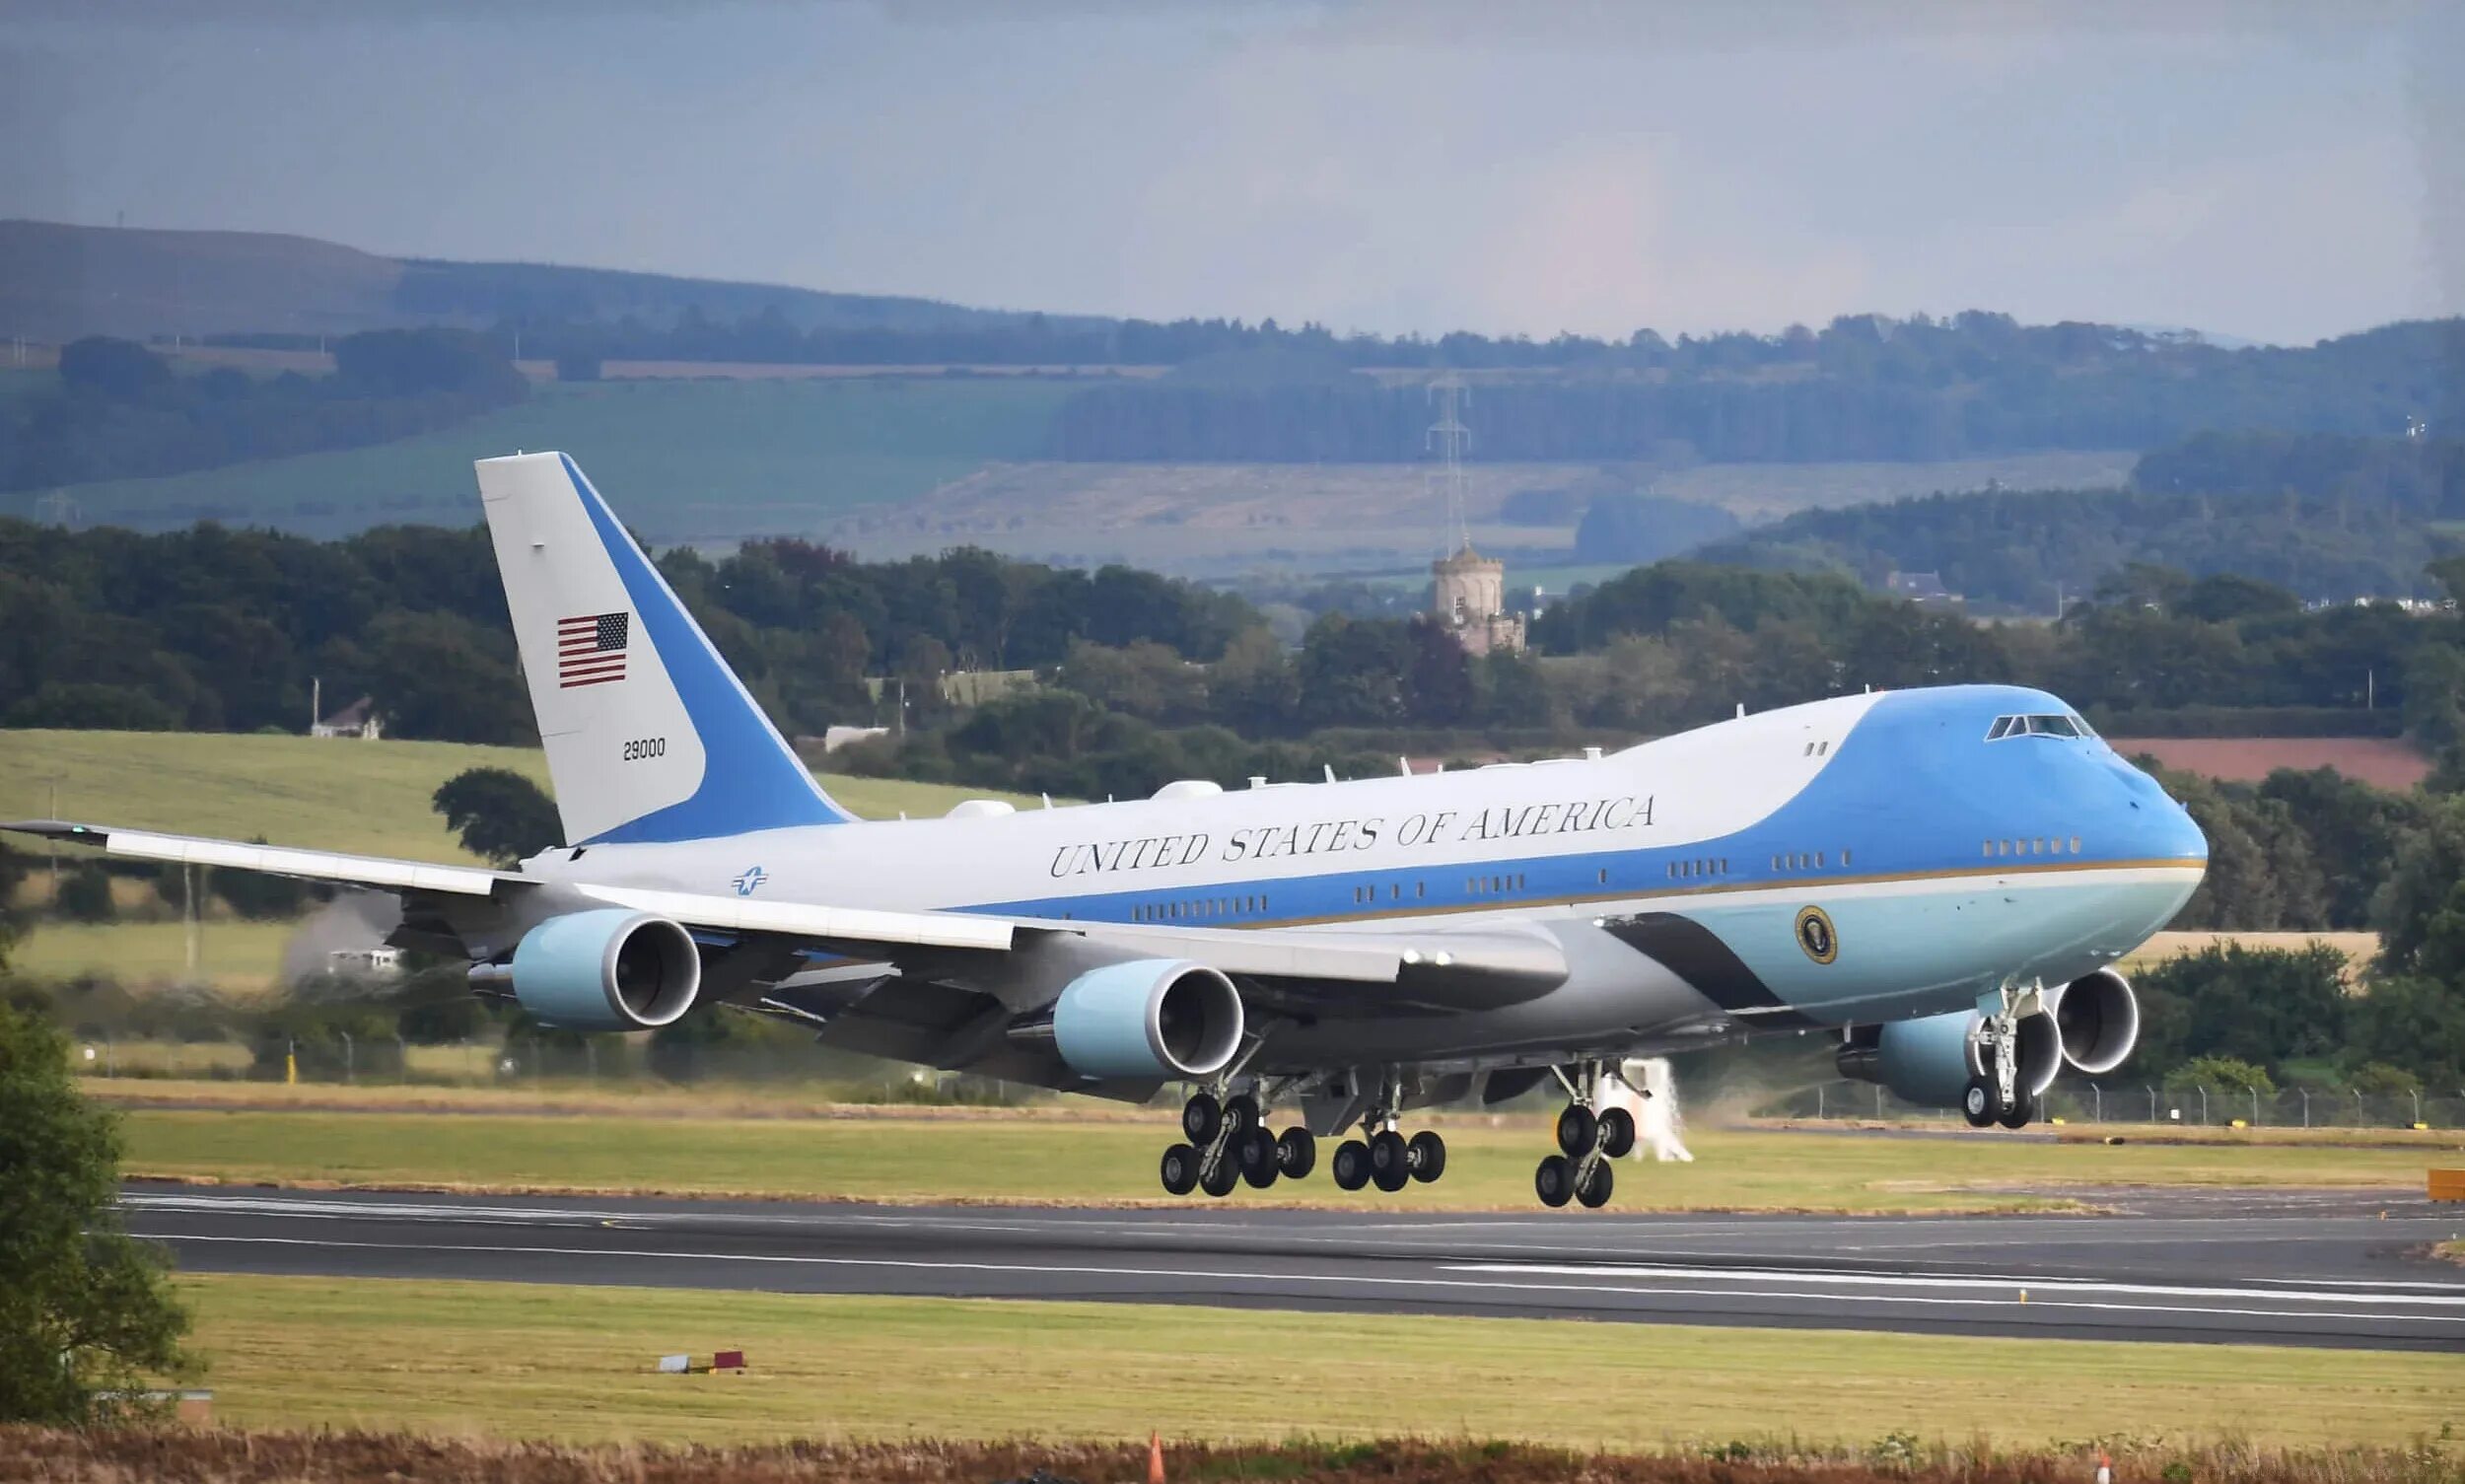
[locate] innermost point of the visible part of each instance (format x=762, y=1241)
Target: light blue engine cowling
x=1148, y=1017
x=2093, y=1023
x=606, y=970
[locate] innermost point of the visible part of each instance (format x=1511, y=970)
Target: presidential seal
x=1815, y=935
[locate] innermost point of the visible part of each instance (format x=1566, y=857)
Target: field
x=1229, y=519
x=2384, y=762
x=574, y=1362
x=233, y=957
x=1046, y=1157
x=370, y=798
x=683, y=460
x=2359, y=949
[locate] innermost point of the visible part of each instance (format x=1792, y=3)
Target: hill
x=699, y=461
x=59, y=281
x=370, y=798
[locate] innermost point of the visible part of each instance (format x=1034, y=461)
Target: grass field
x=573, y=1363
x=680, y=459
x=370, y=798
x=1050, y=1159
x=233, y=957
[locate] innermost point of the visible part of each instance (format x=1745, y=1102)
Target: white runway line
x=1503, y=1286
x=2450, y=1296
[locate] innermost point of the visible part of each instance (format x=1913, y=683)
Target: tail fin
x=650, y=736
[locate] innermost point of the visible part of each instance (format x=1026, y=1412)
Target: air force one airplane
x=1940, y=880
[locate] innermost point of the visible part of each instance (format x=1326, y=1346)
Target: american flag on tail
x=591, y=649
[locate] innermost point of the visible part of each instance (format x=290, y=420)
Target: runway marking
x=2443, y=1296
x=1050, y=1270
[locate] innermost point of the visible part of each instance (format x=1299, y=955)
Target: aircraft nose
x=2160, y=827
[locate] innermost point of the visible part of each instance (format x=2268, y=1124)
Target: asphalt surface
x=2289, y=1268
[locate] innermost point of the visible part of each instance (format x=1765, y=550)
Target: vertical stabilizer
x=650, y=736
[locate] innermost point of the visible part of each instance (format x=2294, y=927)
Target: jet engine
x=606, y=970
x=1148, y=1017
x=1929, y=1061
x=2098, y=1021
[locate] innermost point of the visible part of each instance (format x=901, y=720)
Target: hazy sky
x=2280, y=173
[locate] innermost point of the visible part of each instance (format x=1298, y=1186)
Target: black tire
x=1180, y=1169
x=1390, y=1160
x=1202, y=1117
x=1976, y=1102
x=1240, y=1115
x=1554, y=1181
x=1350, y=1165
x=2027, y=1110
x=1617, y=1133
x=1425, y=1155
x=1595, y=1191
x=1258, y=1162
x=1575, y=1130
x=1297, y=1153
x=1219, y=1177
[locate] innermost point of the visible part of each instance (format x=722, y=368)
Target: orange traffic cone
x=1154, y=1458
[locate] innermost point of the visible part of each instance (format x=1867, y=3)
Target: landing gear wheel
x=1180, y=1169
x=1201, y=1118
x=1391, y=1159
x=1351, y=1165
x=1425, y=1155
x=2028, y=1109
x=1554, y=1181
x=1617, y=1133
x=1297, y=1152
x=1257, y=1158
x=1240, y=1115
x=1595, y=1191
x=1220, y=1177
x=1977, y=1101
x=1575, y=1128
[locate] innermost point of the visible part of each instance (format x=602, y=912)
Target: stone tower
x=1468, y=597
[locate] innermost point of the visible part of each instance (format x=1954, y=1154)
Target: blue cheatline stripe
x=752, y=779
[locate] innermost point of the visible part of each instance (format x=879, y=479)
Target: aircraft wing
x=1431, y=970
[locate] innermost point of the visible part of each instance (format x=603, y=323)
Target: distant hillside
x=58, y=282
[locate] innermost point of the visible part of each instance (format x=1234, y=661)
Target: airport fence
x=2143, y=1103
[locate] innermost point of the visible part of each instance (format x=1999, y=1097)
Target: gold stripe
x=1503, y=903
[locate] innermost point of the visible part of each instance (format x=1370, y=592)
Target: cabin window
x=2075, y=845
x=1420, y=888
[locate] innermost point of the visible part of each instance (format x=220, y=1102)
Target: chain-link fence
x=2114, y=1101
x=546, y=1061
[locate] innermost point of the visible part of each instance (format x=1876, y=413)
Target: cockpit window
x=2065, y=724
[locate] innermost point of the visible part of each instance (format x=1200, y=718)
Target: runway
x=2286, y=1268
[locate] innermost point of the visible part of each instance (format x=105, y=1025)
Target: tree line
x=117, y=410
x=2322, y=515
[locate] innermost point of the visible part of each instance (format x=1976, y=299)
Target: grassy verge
x=370, y=798
x=567, y=1363
x=1050, y=1159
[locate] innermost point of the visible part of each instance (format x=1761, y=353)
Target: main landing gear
x=1997, y=1096
x=1229, y=1143
x=1587, y=1143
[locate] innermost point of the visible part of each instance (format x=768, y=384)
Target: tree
x=2220, y=1074
x=85, y=1309
x=84, y=894
x=120, y=370
x=501, y=816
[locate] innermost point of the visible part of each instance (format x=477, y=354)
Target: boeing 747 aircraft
x=1940, y=881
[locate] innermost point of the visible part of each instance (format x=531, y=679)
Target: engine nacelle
x=1148, y=1017
x=606, y=970
x=1929, y=1061
x=2098, y=1021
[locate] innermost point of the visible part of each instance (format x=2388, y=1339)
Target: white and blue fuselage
x=1862, y=859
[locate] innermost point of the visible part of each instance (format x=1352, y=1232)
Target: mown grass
x=368, y=798
x=574, y=1362
x=234, y=956
x=680, y=460
x=1051, y=1158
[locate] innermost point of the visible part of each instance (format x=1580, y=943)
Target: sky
x=2254, y=169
